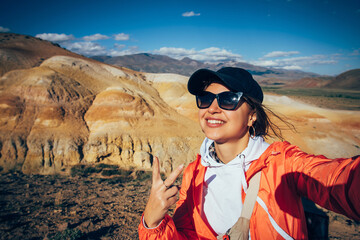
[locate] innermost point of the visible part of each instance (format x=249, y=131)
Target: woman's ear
x=252, y=119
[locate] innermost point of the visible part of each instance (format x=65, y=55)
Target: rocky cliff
x=69, y=111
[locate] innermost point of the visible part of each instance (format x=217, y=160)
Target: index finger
x=156, y=170
x=174, y=175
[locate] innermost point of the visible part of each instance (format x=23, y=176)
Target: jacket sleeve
x=330, y=183
x=181, y=226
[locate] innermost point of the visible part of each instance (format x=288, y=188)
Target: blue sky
x=321, y=36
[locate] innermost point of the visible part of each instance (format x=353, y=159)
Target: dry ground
x=90, y=205
x=70, y=207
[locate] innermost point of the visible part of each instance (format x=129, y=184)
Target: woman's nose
x=214, y=107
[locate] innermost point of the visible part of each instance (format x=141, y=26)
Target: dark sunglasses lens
x=228, y=100
x=205, y=100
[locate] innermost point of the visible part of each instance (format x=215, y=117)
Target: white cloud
x=212, y=54
x=296, y=63
x=276, y=54
x=310, y=60
x=86, y=48
x=122, y=37
x=217, y=54
x=129, y=51
x=265, y=63
x=190, y=14
x=119, y=46
x=293, y=67
x=175, y=52
x=55, y=37
x=95, y=37
x=3, y=29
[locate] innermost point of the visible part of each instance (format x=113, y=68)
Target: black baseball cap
x=236, y=79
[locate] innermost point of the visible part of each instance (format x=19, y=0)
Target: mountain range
x=349, y=80
x=152, y=63
x=146, y=62
x=21, y=52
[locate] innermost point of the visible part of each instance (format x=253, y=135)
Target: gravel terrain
x=64, y=207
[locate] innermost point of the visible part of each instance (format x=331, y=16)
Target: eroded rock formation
x=69, y=111
x=72, y=111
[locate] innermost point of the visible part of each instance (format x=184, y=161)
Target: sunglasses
x=226, y=100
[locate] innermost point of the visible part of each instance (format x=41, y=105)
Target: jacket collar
x=263, y=160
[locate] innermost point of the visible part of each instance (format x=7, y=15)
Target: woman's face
x=225, y=126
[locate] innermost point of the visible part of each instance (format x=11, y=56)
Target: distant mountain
x=314, y=82
x=347, y=80
x=22, y=52
x=152, y=63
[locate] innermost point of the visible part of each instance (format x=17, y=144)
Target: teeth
x=215, y=121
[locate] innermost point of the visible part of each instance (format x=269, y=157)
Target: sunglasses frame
x=218, y=98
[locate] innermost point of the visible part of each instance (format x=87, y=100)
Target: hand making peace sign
x=162, y=195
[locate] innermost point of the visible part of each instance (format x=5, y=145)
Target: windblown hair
x=263, y=125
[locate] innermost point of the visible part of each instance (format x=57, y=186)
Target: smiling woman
x=216, y=187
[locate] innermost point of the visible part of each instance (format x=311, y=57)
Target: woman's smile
x=213, y=122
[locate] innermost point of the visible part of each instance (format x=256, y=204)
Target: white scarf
x=223, y=184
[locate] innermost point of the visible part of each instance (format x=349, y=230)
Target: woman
x=213, y=188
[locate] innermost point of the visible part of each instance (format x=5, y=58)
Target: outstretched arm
x=331, y=183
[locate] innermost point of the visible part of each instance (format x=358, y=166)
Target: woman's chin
x=215, y=138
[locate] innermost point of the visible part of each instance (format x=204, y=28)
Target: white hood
x=224, y=182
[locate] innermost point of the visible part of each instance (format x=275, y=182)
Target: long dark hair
x=264, y=126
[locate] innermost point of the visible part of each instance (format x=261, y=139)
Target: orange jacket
x=287, y=174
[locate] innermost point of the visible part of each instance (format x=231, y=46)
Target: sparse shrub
x=124, y=172
x=83, y=170
x=117, y=175
x=113, y=180
x=68, y=234
x=76, y=170
x=142, y=175
x=48, y=203
x=110, y=172
x=90, y=170
x=55, y=44
x=103, y=165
